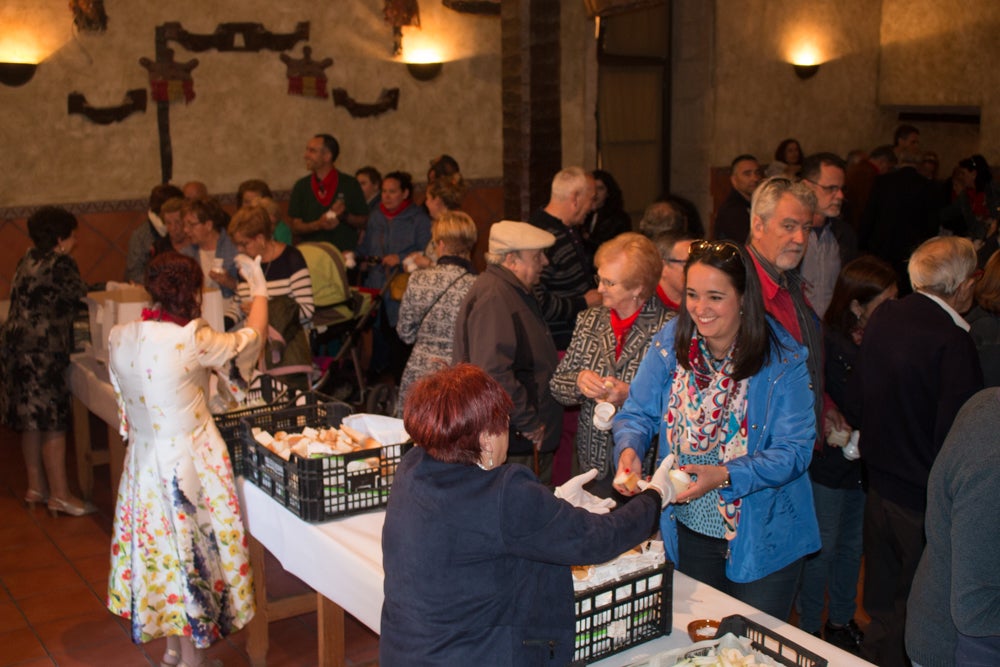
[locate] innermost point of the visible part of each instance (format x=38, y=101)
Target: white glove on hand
x=574, y=493
x=253, y=274
x=661, y=481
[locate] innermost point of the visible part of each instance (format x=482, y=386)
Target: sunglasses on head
x=723, y=250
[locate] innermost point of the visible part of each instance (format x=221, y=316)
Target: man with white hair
x=500, y=329
x=917, y=366
x=566, y=285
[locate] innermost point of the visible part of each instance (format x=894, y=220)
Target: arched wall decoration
x=399, y=13
x=306, y=77
x=135, y=101
x=387, y=100
x=170, y=80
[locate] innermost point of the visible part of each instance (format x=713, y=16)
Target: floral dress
x=36, y=341
x=179, y=556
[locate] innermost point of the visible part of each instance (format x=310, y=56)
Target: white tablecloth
x=89, y=382
x=343, y=560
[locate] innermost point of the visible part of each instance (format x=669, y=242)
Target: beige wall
x=242, y=123
x=734, y=91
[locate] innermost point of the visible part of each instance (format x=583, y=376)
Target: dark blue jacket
x=476, y=564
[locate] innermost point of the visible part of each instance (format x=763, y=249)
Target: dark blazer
x=915, y=369
x=732, y=222
x=477, y=564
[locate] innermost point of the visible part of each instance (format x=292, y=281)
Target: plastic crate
x=274, y=396
x=623, y=613
x=770, y=643
x=318, y=489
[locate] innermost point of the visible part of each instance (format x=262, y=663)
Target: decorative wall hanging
x=387, y=100
x=306, y=76
x=237, y=37
x=135, y=101
x=89, y=15
x=397, y=14
x=170, y=81
x=483, y=7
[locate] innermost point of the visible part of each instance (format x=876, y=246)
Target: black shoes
x=847, y=637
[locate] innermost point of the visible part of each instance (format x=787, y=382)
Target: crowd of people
x=831, y=302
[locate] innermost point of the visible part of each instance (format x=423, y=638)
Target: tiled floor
x=53, y=579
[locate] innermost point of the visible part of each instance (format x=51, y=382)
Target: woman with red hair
x=180, y=567
x=476, y=553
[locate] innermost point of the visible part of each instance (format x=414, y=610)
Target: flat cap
x=510, y=236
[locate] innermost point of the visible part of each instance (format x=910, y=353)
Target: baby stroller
x=340, y=328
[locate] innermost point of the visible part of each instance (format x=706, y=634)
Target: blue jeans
x=704, y=558
x=834, y=568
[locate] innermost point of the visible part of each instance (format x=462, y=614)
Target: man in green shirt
x=327, y=205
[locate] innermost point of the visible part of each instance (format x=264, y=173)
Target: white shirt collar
x=958, y=319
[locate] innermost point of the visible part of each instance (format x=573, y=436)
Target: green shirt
x=304, y=206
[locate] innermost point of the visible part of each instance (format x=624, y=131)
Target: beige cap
x=510, y=236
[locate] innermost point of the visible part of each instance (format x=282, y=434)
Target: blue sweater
x=778, y=523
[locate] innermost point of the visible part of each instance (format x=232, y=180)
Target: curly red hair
x=174, y=281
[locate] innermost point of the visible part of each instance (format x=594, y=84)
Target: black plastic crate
x=275, y=396
x=620, y=614
x=770, y=643
x=318, y=489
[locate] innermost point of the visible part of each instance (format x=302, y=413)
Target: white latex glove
x=661, y=481
x=253, y=274
x=574, y=493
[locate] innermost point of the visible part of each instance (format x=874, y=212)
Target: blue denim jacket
x=778, y=523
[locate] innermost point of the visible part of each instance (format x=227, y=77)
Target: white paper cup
x=603, y=414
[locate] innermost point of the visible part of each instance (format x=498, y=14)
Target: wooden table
x=92, y=393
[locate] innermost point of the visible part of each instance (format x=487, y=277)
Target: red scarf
x=158, y=315
x=666, y=300
x=390, y=214
x=325, y=190
x=620, y=328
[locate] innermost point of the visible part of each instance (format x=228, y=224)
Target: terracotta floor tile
x=65, y=634
x=70, y=602
x=93, y=568
x=119, y=653
x=29, y=556
x=21, y=533
x=20, y=645
x=11, y=617
x=40, y=662
x=78, y=546
x=26, y=583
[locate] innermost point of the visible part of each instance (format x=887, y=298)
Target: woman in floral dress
x=35, y=344
x=179, y=559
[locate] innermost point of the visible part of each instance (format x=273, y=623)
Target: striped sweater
x=288, y=275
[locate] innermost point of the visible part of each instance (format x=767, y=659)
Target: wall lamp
x=805, y=71
x=424, y=71
x=16, y=74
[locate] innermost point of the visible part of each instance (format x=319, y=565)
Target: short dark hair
x=665, y=241
x=447, y=411
x=444, y=166
x=402, y=177
x=753, y=340
x=884, y=152
x=372, y=173
x=174, y=281
x=49, y=225
x=208, y=209
x=253, y=185
x=902, y=132
x=616, y=199
x=331, y=144
x=161, y=193
x=813, y=165
x=862, y=279
x=741, y=158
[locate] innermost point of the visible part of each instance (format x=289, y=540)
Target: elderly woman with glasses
x=608, y=343
x=726, y=390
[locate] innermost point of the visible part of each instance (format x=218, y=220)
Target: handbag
x=397, y=285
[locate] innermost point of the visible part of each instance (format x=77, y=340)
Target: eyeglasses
x=828, y=189
x=723, y=250
x=604, y=281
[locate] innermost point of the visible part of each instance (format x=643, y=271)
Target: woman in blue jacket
x=726, y=390
x=476, y=553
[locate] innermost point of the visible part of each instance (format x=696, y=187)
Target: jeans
x=835, y=567
x=704, y=558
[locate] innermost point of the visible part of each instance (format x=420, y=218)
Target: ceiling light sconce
x=16, y=74
x=805, y=71
x=424, y=71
